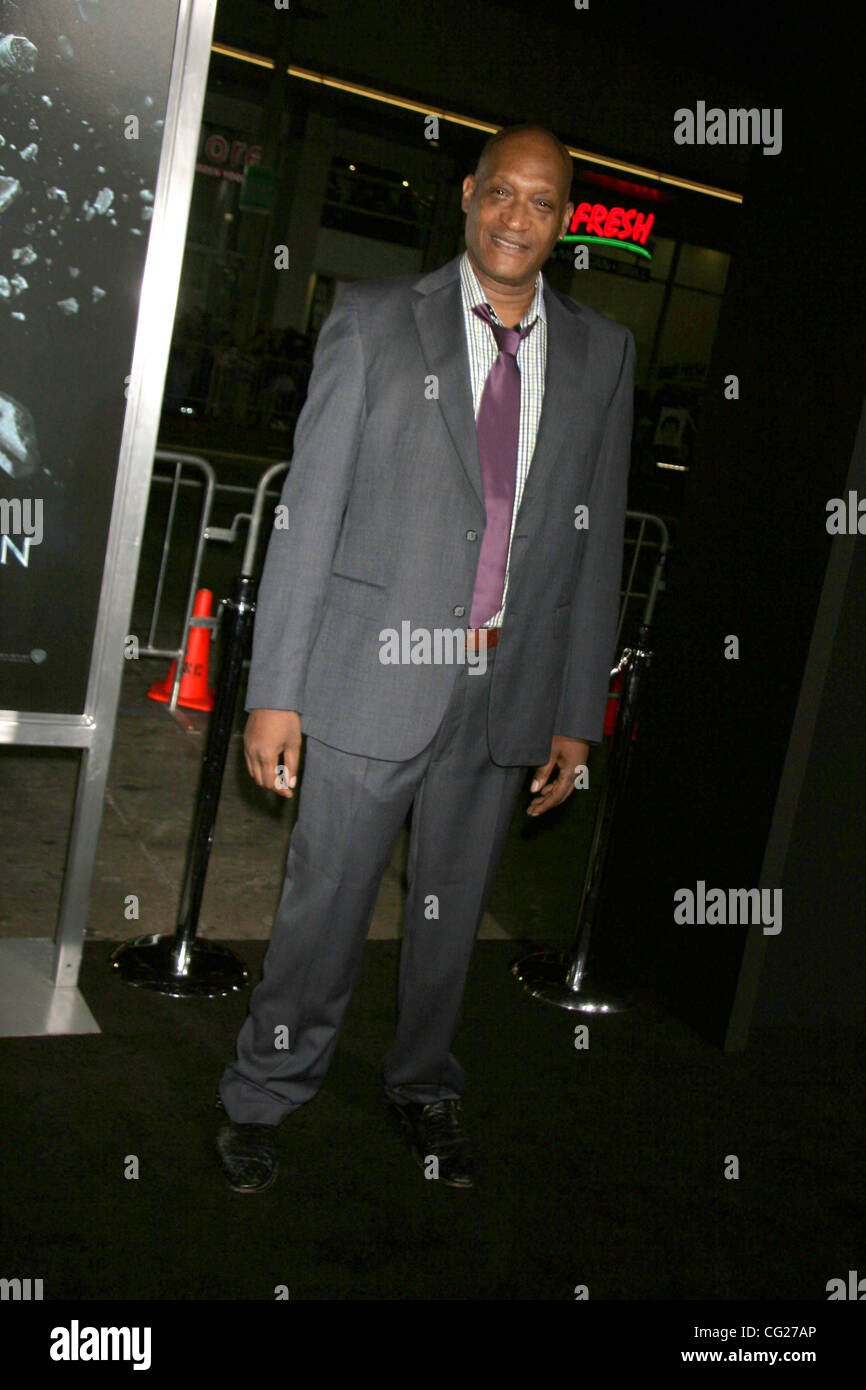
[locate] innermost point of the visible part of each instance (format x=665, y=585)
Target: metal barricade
x=204, y=532
x=229, y=534
x=208, y=483
x=630, y=593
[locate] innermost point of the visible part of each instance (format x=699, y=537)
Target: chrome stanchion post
x=563, y=979
x=180, y=964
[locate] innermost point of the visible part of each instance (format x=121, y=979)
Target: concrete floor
x=142, y=844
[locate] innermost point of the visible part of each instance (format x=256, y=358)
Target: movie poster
x=83, y=92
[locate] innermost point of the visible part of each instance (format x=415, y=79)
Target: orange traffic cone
x=193, y=693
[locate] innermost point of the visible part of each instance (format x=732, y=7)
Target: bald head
x=528, y=135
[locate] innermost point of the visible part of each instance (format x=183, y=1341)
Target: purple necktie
x=498, y=429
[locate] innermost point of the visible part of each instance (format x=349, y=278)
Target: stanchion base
x=543, y=974
x=150, y=962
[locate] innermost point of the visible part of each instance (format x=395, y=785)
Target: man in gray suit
x=437, y=615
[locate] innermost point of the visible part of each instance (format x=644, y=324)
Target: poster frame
x=92, y=732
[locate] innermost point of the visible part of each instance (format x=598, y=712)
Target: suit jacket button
x=472, y=535
x=459, y=611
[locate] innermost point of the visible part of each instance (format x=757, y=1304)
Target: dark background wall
x=751, y=562
x=609, y=77
x=815, y=971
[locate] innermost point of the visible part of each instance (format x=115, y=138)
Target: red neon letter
x=611, y=226
x=581, y=213
x=626, y=223
x=642, y=224
x=595, y=222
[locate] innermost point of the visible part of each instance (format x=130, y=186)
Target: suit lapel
x=438, y=314
x=567, y=345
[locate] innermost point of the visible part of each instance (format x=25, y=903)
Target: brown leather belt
x=489, y=639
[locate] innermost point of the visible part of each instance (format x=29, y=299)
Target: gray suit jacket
x=384, y=495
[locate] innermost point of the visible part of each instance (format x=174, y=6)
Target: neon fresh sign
x=617, y=226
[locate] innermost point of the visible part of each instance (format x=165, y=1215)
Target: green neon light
x=613, y=241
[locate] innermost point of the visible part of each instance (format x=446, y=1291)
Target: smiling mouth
x=507, y=245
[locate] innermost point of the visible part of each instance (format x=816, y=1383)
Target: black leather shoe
x=436, y=1132
x=248, y=1156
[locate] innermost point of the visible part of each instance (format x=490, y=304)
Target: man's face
x=516, y=208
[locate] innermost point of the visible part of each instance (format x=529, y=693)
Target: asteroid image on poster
x=83, y=91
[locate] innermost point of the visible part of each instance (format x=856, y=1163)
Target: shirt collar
x=473, y=293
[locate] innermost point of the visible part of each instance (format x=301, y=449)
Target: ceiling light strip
x=455, y=118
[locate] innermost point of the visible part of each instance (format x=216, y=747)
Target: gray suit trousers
x=350, y=811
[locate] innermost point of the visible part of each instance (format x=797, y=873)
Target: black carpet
x=603, y=1167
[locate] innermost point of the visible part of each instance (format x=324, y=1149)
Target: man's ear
x=566, y=219
x=468, y=190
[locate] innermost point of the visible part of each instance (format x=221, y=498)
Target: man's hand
x=567, y=755
x=272, y=747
